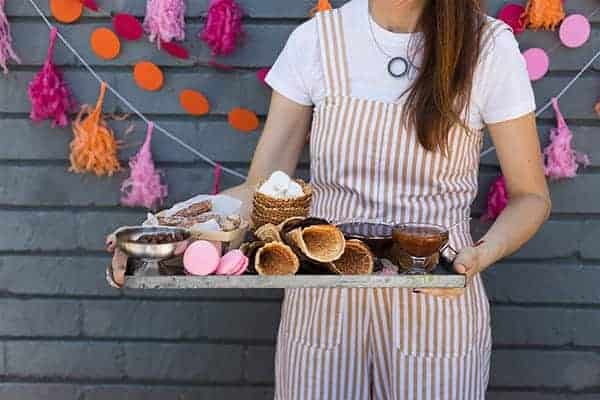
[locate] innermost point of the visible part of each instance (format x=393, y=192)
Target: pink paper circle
x=537, y=63
x=511, y=15
x=201, y=258
x=575, y=30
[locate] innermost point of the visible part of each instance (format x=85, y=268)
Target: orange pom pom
x=148, y=76
x=322, y=5
x=543, y=14
x=243, y=120
x=66, y=11
x=105, y=43
x=94, y=147
x=194, y=102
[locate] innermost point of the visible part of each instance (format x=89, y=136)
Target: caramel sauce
x=420, y=240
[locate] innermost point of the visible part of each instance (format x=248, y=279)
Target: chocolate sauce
x=420, y=240
x=161, y=238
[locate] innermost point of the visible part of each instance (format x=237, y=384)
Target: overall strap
x=333, y=52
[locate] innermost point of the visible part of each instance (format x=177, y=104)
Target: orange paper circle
x=105, y=43
x=243, y=120
x=194, y=102
x=148, y=76
x=66, y=11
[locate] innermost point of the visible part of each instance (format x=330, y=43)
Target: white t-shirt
x=501, y=86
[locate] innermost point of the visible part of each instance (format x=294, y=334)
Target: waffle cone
x=319, y=243
x=276, y=258
x=357, y=259
x=261, y=216
x=268, y=233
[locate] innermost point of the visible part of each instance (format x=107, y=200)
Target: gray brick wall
x=65, y=335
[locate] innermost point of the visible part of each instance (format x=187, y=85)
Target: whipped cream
x=281, y=186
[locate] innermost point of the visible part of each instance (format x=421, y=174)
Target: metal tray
x=438, y=279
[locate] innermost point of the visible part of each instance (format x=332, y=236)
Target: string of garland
x=561, y=135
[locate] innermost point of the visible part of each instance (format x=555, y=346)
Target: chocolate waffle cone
x=276, y=258
x=318, y=243
x=356, y=260
x=268, y=233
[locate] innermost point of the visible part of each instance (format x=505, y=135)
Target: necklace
x=398, y=66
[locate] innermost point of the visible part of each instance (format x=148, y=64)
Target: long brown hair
x=452, y=35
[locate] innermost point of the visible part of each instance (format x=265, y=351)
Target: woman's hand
x=468, y=262
x=115, y=272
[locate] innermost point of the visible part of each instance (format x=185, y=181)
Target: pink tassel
x=497, y=199
x=217, y=179
x=143, y=187
x=561, y=160
x=6, y=50
x=261, y=75
x=223, y=28
x=49, y=94
x=165, y=21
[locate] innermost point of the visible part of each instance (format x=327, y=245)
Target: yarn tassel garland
x=223, y=28
x=497, y=199
x=543, y=14
x=217, y=179
x=49, y=94
x=6, y=50
x=322, y=5
x=91, y=5
x=560, y=158
x=144, y=187
x=94, y=147
x=165, y=20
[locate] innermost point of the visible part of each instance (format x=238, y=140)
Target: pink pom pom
x=497, y=199
x=561, y=160
x=223, y=27
x=261, y=74
x=143, y=187
x=6, y=50
x=165, y=21
x=48, y=92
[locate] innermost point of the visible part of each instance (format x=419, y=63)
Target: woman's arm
x=279, y=147
x=518, y=149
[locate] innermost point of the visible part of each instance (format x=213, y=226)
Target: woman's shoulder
x=497, y=37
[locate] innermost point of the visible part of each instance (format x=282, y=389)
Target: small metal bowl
x=376, y=235
x=126, y=241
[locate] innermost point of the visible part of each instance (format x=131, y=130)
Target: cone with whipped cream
x=357, y=259
x=276, y=258
x=279, y=198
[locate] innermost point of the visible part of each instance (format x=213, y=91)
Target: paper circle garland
x=511, y=15
x=148, y=76
x=575, y=30
x=105, y=43
x=243, y=120
x=537, y=63
x=128, y=27
x=195, y=103
x=66, y=11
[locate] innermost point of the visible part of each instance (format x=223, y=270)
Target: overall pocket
x=429, y=326
x=313, y=317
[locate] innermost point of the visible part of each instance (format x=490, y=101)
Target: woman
x=399, y=92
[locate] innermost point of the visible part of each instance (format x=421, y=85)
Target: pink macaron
x=232, y=263
x=201, y=258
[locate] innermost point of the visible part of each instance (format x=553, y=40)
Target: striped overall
x=351, y=344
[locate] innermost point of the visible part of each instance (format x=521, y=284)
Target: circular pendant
x=398, y=67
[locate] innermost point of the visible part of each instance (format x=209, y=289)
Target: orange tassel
x=94, y=147
x=543, y=14
x=322, y=5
